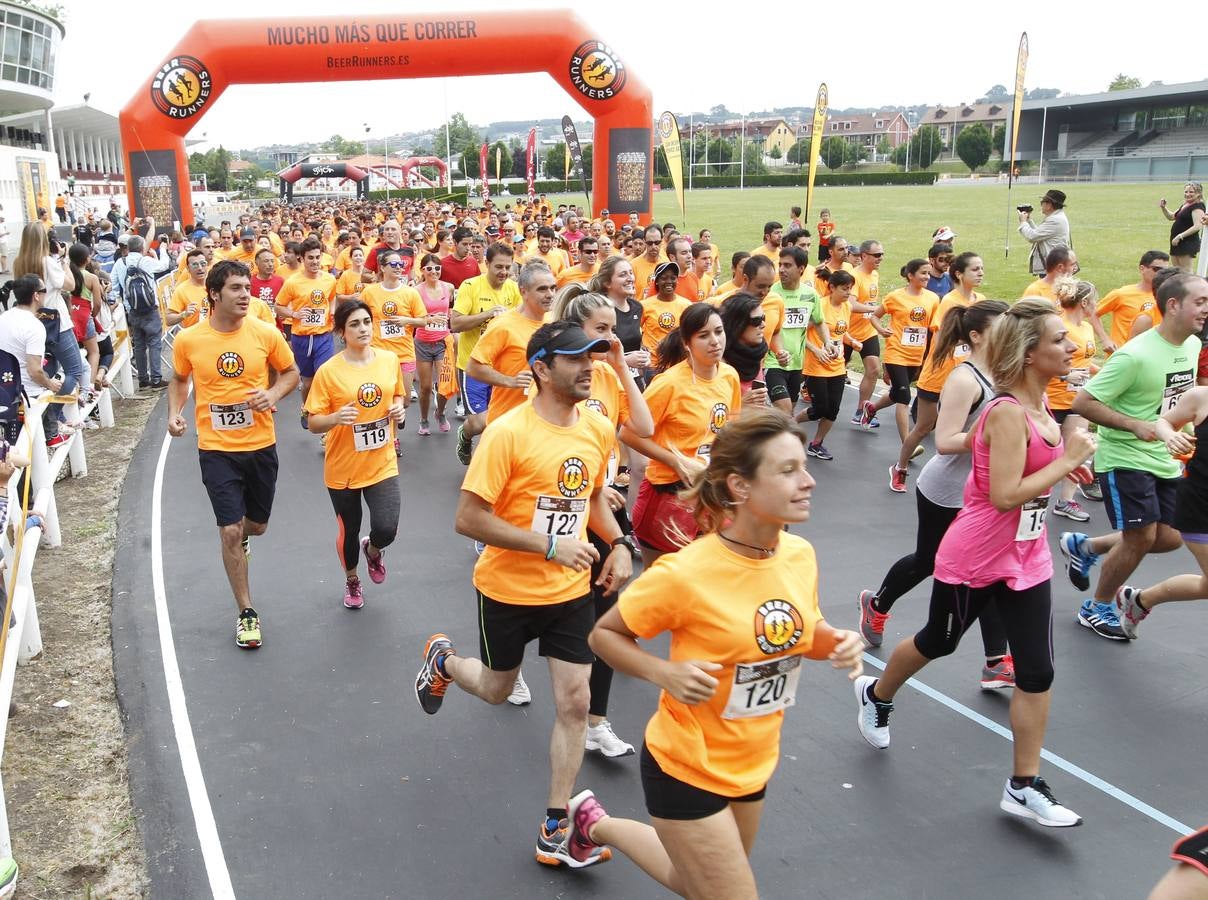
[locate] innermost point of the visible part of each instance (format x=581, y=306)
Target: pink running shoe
x=352, y=594
x=583, y=812
x=443, y=424
x=377, y=567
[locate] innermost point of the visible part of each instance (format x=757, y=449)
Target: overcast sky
x=881, y=53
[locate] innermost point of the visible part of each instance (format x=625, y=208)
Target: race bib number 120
x=762, y=688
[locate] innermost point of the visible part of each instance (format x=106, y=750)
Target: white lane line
x=1064, y=764
x=203, y=814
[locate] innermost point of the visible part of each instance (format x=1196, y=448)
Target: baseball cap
x=123, y=239
x=664, y=267
x=943, y=233
x=572, y=341
x=247, y=233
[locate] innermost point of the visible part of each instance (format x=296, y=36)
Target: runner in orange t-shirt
x=228, y=359
x=661, y=313
x=864, y=328
x=733, y=667
x=308, y=301
x=532, y=490
x=356, y=398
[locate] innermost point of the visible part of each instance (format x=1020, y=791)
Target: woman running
x=997, y=551
x=355, y=397
x=939, y=493
x=1191, y=511
x=690, y=401
x=967, y=271
x=743, y=318
x=430, y=340
x=615, y=394
x=352, y=280
x=1078, y=300
x=910, y=311
x=713, y=742
x=825, y=368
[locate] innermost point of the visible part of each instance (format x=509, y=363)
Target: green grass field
x=1111, y=224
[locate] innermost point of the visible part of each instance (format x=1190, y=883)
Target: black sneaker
x=305, y=420
x=158, y=385
x=430, y=685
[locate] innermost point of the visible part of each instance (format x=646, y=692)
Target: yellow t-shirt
x=909, y=326
x=361, y=454
x=660, y=318
x=187, y=293
x=643, y=273
x=349, y=283
x=403, y=301
x=556, y=259
x=474, y=297
x=1125, y=304
x=1082, y=336
x=868, y=291
x=838, y=321
x=259, y=309
x=315, y=300
x=689, y=412
x=756, y=618
x=504, y=348
x=575, y=275
x=936, y=371
x=225, y=366
x=1041, y=288
x=540, y=477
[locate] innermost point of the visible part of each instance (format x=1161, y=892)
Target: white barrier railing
x=20, y=553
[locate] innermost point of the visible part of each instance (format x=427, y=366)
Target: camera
x=1026, y=208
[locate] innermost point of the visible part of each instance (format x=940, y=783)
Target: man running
x=229, y=356
x=1132, y=306
x=307, y=301
x=772, y=233
x=797, y=306
x=531, y=492
x=1139, y=382
x=864, y=329
x=460, y=265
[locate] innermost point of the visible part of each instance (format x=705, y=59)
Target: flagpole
x=1021, y=65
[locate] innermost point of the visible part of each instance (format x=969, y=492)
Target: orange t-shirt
x=660, y=318
x=838, y=321
x=313, y=298
x=909, y=325
x=540, y=477
x=686, y=286
x=259, y=309
x=689, y=412
x=504, y=347
x=643, y=273
x=772, y=307
x=936, y=371
x=556, y=260
x=1041, y=288
x=608, y=396
x=187, y=293
x=403, y=301
x=868, y=291
x=350, y=283
x=1126, y=304
x=225, y=366
x=1082, y=336
x=756, y=618
x=574, y=275
x=361, y=454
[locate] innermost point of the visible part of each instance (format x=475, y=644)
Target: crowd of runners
x=622, y=392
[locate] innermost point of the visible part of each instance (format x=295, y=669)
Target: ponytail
x=960, y=321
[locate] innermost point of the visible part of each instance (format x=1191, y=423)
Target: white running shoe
x=873, y=718
x=603, y=739
x=1036, y=802
x=520, y=695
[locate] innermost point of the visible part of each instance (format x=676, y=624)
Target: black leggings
x=900, y=378
x=601, y=672
x=826, y=394
x=1027, y=616
x=910, y=571
x=383, y=501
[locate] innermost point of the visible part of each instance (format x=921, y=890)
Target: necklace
x=766, y=551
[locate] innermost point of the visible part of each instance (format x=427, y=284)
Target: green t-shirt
x=801, y=306
x=1143, y=379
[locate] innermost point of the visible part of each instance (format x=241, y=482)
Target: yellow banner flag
x=1021, y=65
x=498, y=151
x=819, y=126
x=669, y=138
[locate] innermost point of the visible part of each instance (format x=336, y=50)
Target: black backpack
x=12, y=392
x=139, y=288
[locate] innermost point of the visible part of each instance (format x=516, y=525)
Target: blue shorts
x=311, y=351
x=475, y=394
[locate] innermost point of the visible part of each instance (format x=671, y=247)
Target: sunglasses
x=590, y=252
x=395, y=265
x=943, y=259
x=877, y=255
x=428, y=268
x=757, y=320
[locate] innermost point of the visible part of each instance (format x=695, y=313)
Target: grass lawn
x=1111, y=224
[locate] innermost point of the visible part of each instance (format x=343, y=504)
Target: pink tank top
x=983, y=545
x=435, y=307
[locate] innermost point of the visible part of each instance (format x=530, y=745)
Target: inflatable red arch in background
x=216, y=54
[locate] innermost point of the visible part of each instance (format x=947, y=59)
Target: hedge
x=823, y=179
x=442, y=194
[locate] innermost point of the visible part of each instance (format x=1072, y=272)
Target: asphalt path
x=319, y=776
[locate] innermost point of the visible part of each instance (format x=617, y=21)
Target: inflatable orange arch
x=217, y=53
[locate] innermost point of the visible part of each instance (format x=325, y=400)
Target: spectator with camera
x=1052, y=232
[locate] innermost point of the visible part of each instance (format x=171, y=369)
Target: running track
x=306, y=769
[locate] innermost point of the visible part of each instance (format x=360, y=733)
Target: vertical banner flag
x=669, y=137
x=482, y=171
x=498, y=165
x=565, y=162
x=576, y=154
x=818, y=127
x=530, y=164
x=1021, y=65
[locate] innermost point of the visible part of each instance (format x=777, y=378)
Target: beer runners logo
x=666, y=321
x=593, y=403
x=572, y=479
x=596, y=71
x=918, y=314
x=181, y=87
x=230, y=365
x=718, y=416
x=778, y=626
x=369, y=395
x=666, y=126
x=389, y=308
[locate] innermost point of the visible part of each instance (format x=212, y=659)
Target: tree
x=753, y=163
x=834, y=151
x=555, y=161
x=341, y=147
x=883, y=146
x=775, y=153
x=505, y=160
x=1042, y=93
x=1124, y=82
x=898, y=155
x=461, y=135
x=925, y=146
x=998, y=139
x=799, y=153
x=973, y=146
x=998, y=92
x=468, y=163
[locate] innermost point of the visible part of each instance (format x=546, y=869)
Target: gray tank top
x=942, y=480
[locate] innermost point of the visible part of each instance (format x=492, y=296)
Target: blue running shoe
x=1079, y=558
x=1102, y=619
